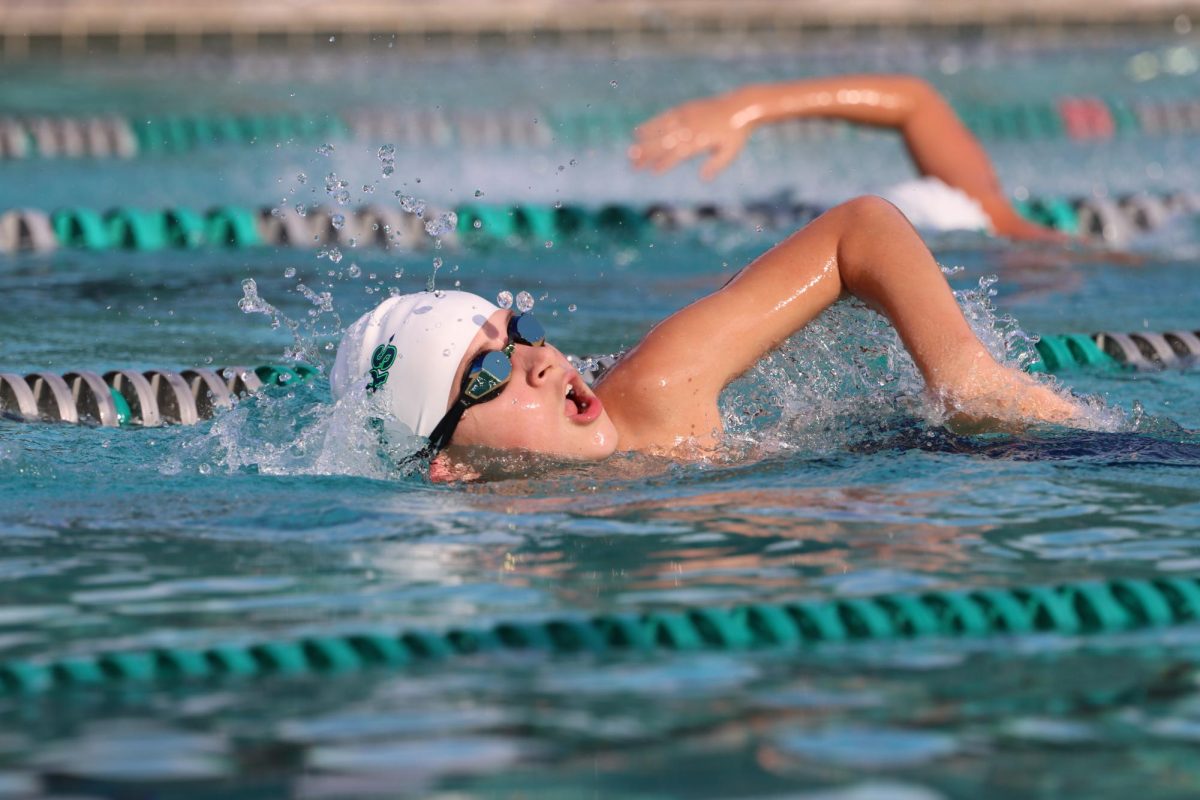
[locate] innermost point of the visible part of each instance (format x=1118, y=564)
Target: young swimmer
x=453, y=368
x=941, y=147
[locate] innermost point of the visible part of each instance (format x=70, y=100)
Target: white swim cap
x=931, y=205
x=430, y=332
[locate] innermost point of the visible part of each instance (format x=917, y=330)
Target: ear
x=443, y=469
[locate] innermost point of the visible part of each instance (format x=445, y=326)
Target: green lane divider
x=1069, y=351
x=124, y=414
x=1082, y=608
x=480, y=224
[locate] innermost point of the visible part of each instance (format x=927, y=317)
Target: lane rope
x=482, y=225
x=149, y=398
x=111, y=135
x=1074, y=609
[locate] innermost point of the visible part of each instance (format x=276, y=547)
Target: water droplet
x=290, y=272
x=368, y=189
x=477, y=224
x=549, y=244
x=446, y=352
x=301, y=210
x=335, y=255
x=205, y=469
x=354, y=271
x=573, y=162
x=613, y=84
x=337, y=221
x=386, y=151
x=572, y=308
x=524, y=302
x=479, y=193
x=437, y=263
x=301, y=177
x=410, y=204
x=325, y=149
x=445, y=223
x=504, y=299
x=558, y=203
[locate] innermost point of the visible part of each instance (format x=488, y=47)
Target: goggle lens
x=525, y=329
x=487, y=373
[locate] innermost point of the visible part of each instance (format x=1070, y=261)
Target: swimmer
x=939, y=144
x=462, y=373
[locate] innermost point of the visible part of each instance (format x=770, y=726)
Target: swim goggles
x=485, y=378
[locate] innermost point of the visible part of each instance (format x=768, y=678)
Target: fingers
x=725, y=153
x=661, y=147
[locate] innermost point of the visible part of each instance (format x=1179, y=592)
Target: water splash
x=336, y=188
x=323, y=321
x=299, y=432
x=442, y=224
x=410, y=204
x=846, y=378
x=387, y=159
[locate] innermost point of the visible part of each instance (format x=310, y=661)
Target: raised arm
x=937, y=141
x=666, y=389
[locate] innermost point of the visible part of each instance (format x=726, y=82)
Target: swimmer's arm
x=668, y=385
x=937, y=141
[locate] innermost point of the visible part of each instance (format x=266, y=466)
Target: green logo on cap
x=381, y=361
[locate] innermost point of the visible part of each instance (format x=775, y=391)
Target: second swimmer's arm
x=937, y=141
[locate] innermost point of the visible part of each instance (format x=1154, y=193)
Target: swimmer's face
x=534, y=412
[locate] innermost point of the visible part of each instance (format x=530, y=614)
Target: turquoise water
x=272, y=520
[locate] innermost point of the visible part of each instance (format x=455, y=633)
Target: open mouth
x=579, y=403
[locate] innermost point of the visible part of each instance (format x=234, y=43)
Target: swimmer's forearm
x=884, y=100
x=938, y=142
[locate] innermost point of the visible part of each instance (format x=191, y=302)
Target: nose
x=539, y=363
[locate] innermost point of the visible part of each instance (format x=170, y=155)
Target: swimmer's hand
x=717, y=125
x=998, y=398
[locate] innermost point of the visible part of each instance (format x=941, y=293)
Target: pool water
x=280, y=517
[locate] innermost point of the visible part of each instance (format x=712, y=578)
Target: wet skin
x=534, y=412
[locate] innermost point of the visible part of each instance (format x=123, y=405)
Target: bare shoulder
x=657, y=405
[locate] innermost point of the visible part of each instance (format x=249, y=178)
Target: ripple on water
x=861, y=747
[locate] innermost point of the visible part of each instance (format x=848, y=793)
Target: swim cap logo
x=381, y=361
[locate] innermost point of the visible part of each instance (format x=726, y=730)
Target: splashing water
x=325, y=149
x=300, y=432
x=846, y=378
x=387, y=159
x=323, y=321
x=410, y=204
x=336, y=188
x=442, y=224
